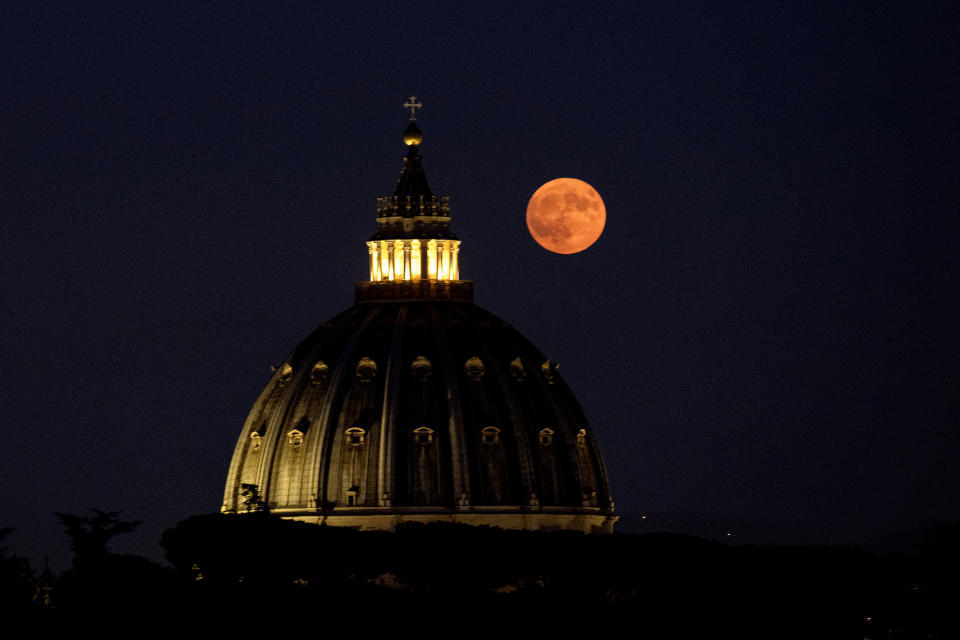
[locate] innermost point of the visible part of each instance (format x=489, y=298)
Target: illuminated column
x=384, y=273
x=374, y=261
x=432, y=259
x=415, y=259
x=397, y=266
x=445, y=265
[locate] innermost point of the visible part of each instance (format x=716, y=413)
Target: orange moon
x=566, y=215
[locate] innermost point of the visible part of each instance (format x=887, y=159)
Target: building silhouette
x=415, y=404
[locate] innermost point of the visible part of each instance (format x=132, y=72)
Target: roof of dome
x=455, y=409
x=416, y=404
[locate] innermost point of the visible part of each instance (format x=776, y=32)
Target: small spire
x=413, y=105
x=413, y=179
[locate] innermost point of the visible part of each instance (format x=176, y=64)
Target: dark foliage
x=938, y=587
x=16, y=582
x=102, y=583
x=248, y=569
x=660, y=582
x=89, y=536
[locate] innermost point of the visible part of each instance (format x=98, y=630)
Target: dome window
x=474, y=368
x=490, y=435
x=545, y=436
x=517, y=370
x=356, y=437
x=256, y=440
x=582, y=437
x=366, y=369
x=421, y=368
x=352, y=494
x=549, y=370
x=319, y=372
x=423, y=435
x=295, y=437
x=286, y=372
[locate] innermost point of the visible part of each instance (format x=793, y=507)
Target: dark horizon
x=677, y=584
x=766, y=330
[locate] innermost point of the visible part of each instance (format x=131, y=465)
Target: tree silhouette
x=89, y=535
x=16, y=581
x=253, y=500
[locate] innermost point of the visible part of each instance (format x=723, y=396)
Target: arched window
x=474, y=368
x=545, y=436
x=549, y=369
x=490, y=435
x=319, y=372
x=256, y=440
x=582, y=437
x=517, y=370
x=421, y=368
x=366, y=369
x=295, y=437
x=356, y=437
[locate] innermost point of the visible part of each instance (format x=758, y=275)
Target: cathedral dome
x=416, y=404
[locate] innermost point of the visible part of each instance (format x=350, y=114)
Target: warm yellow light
x=397, y=266
x=415, y=259
x=432, y=259
x=384, y=261
x=444, y=259
x=403, y=260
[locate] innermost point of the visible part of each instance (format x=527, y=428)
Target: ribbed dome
x=436, y=408
x=416, y=404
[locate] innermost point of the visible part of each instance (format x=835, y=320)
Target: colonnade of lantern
x=413, y=260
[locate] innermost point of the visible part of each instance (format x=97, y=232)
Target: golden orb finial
x=412, y=135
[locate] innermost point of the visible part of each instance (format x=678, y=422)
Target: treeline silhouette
x=257, y=568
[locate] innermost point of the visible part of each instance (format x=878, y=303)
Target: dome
x=415, y=404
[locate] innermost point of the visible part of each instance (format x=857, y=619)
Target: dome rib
x=455, y=422
x=385, y=489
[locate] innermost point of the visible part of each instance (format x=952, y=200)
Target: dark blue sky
x=767, y=329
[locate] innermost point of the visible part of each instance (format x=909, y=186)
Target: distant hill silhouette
x=709, y=526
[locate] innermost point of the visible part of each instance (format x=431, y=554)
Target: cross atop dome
x=413, y=105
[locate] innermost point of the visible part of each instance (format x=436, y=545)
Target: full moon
x=566, y=215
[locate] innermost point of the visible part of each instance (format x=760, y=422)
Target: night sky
x=767, y=330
